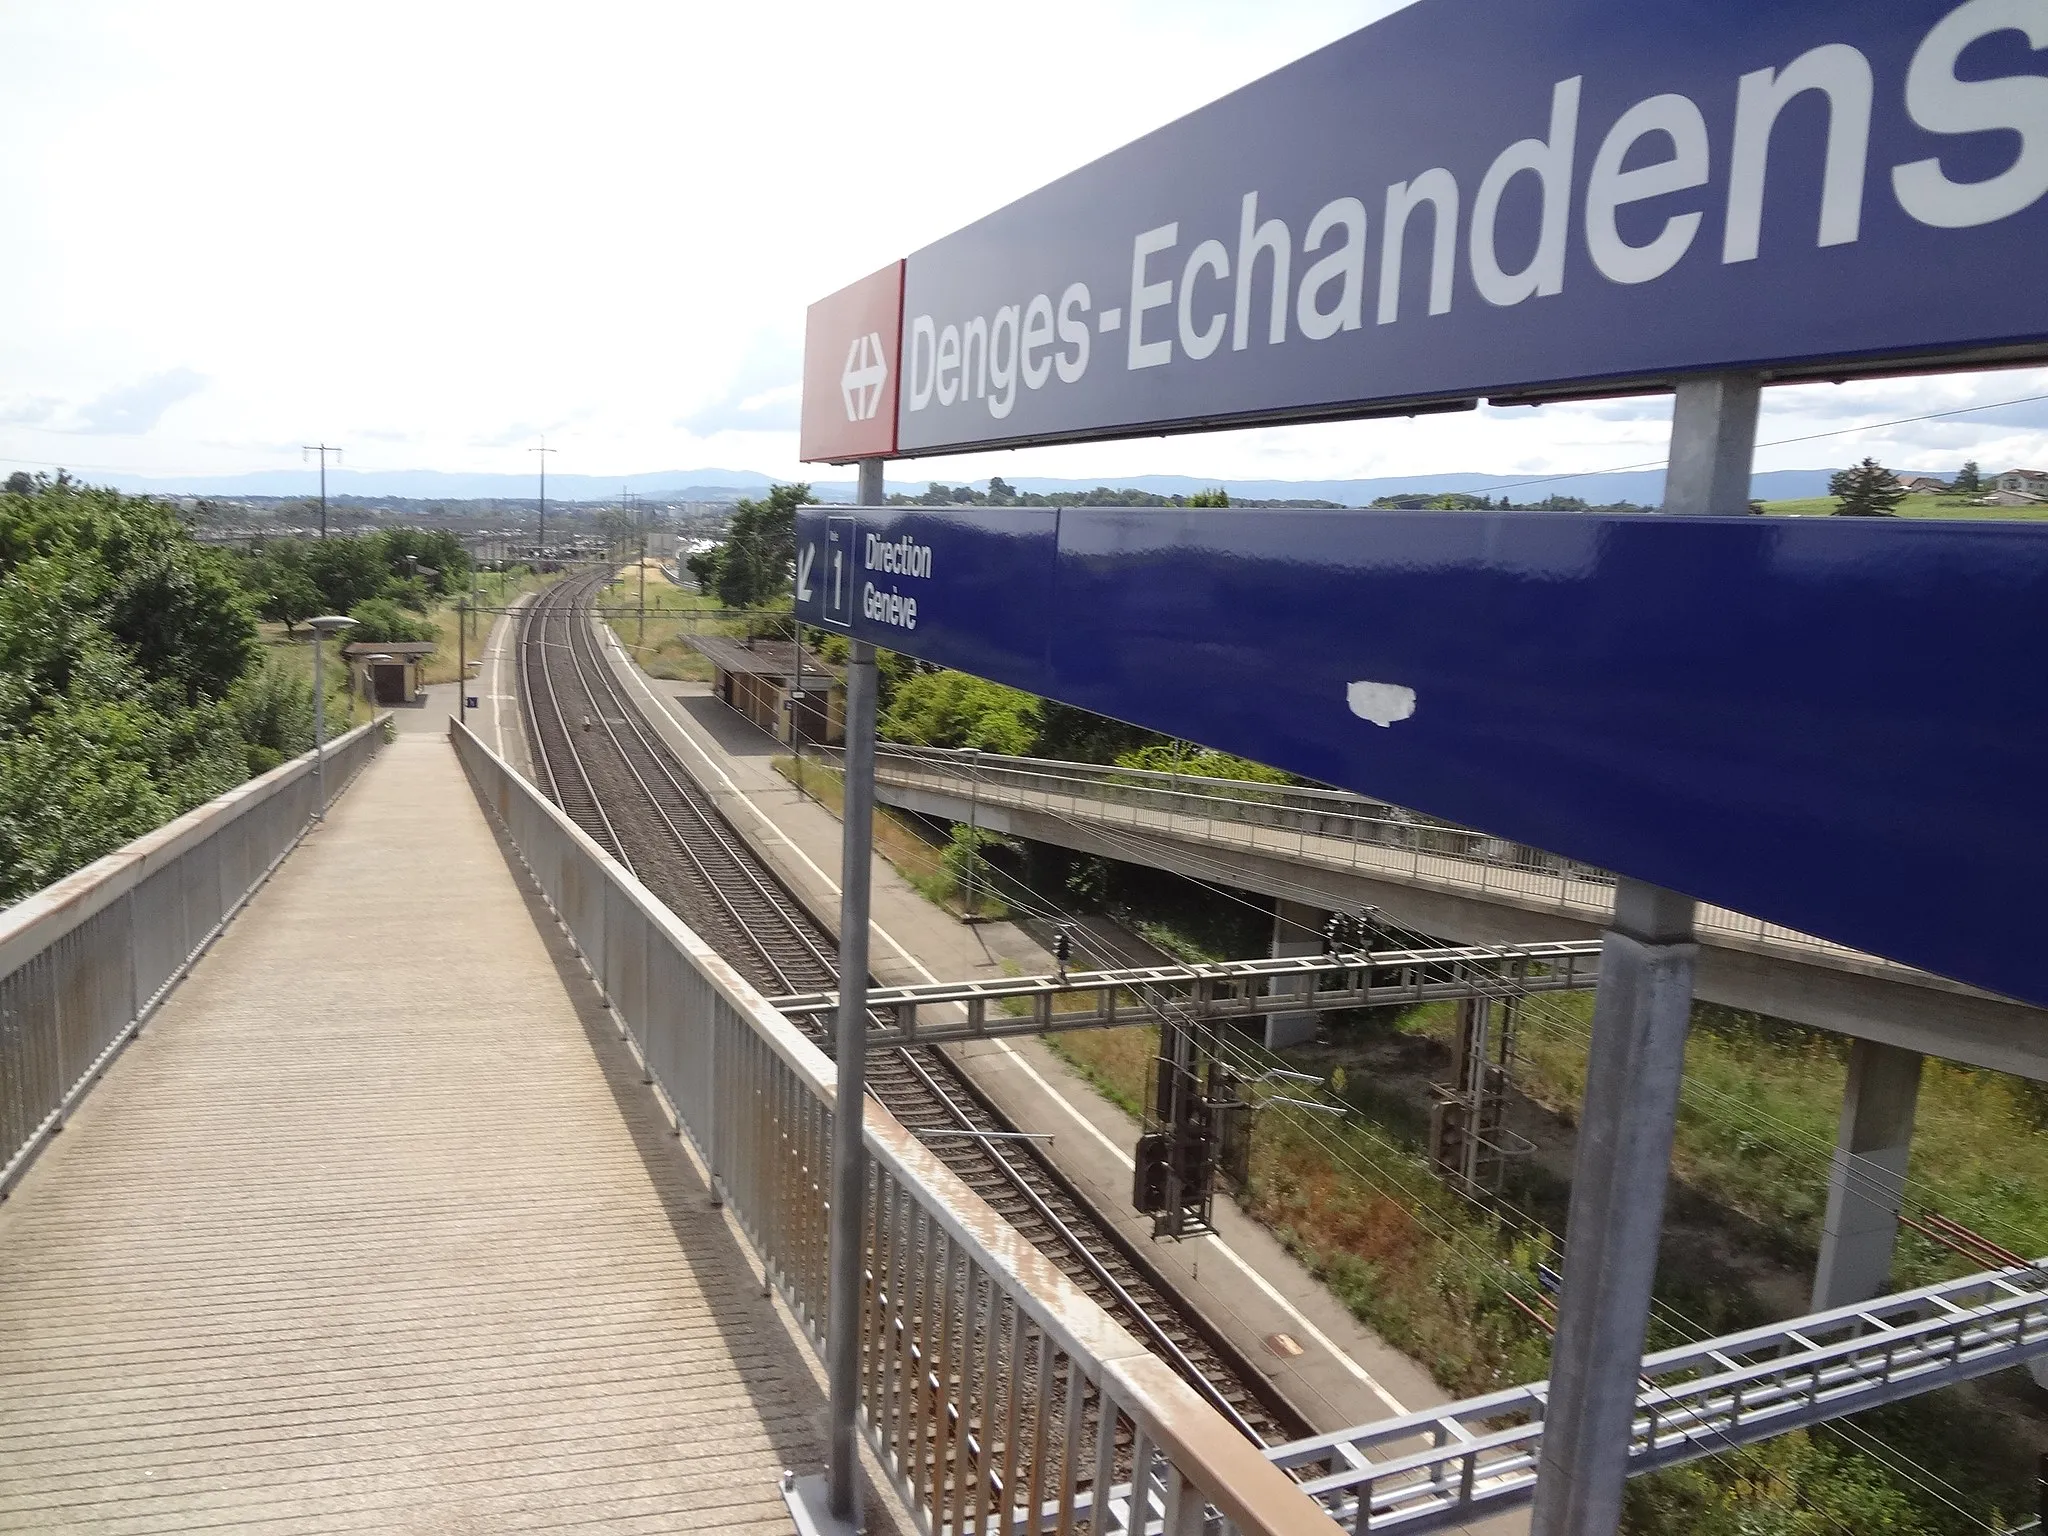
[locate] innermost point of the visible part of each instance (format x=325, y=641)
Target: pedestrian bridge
x=1316, y=850
x=415, y=1169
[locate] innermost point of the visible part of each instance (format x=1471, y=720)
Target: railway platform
x=374, y=1225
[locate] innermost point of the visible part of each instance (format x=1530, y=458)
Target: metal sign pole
x=798, y=697
x=849, y=1157
x=1641, y=1014
x=973, y=824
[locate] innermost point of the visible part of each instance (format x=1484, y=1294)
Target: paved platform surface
x=1242, y=1279
x=374, y=1227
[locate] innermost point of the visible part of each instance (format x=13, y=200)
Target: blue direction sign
x=1514, y=200
x=1840, y=725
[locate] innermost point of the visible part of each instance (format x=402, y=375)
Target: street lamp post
x=326, y=624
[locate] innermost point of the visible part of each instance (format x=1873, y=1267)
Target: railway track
x=595, y=754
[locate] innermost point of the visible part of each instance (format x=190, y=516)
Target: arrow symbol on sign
x=866, y=372
x=804, y=559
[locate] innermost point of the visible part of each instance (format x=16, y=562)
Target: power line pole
x=541, y=555
x=640, y=524
x=323, y=449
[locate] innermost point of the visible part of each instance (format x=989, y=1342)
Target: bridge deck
x=376, y=1227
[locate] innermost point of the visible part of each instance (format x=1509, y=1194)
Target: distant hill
x=1645, y=487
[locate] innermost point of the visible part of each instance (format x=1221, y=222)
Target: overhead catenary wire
x=1777, y=442
x=1411, y=1201
x=1683, y=1326
x=1137, y=843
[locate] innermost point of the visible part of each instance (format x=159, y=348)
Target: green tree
x=347, y=571
x=21, y=483
x=1971, y=479
x=760, y=546
x=186, y=621
x=287, y=597
x=121, y=646
x=1217, y=497
x=410, y=554
x=1868, y=490
x=703, y=565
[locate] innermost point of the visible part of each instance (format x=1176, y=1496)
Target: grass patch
x=294, y=654
x=661, y=644
x=912, y=851
x=1756, y=1129
x=1415, y=1263
x=1914, y=506
x=1755, y=1136
x=496, y=589
x=1357, y=1204
x=1114, y=1061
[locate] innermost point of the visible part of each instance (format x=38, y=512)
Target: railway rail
x=597, y=758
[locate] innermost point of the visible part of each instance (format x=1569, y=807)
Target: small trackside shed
x=759, y=678
x=388, y=672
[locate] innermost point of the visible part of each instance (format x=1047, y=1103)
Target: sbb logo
x=867, y=370
x=850, y=370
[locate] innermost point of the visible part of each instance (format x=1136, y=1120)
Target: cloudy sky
x=433, y=231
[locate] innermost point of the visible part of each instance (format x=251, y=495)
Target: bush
x=1202, y=763
x=952, y=709
x=379, y=619
x=275, y=712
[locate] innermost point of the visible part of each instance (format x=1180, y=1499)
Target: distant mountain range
x=1645, y=487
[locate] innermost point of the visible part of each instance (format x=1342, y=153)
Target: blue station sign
x=1526, y=200
x=1840, y=725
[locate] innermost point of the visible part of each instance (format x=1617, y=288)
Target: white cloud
x=438, y=231
x=133, y=409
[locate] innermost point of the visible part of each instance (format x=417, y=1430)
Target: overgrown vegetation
x=134, y=681
x=1356, y=1202
x=387, y=582
x=752, y=566
x=126, y=687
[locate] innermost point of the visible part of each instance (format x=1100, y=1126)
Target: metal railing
x=1319, y=826
x=997, y=1396
x=1444, y=1467
x=1211, y=991
x=84, y=962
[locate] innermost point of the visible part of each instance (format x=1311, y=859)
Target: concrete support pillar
x=1713, y=445
x=1640, y=1017
x=1297, y=930
x=1867, y=1182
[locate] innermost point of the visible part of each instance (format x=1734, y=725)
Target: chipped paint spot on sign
x=1381, y=703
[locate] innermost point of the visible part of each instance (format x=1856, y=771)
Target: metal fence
x=85, y=961
x=1322, y=826
x=997, y=1396
x=1441, y=1468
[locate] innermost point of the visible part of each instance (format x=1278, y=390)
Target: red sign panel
x=851, y=344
